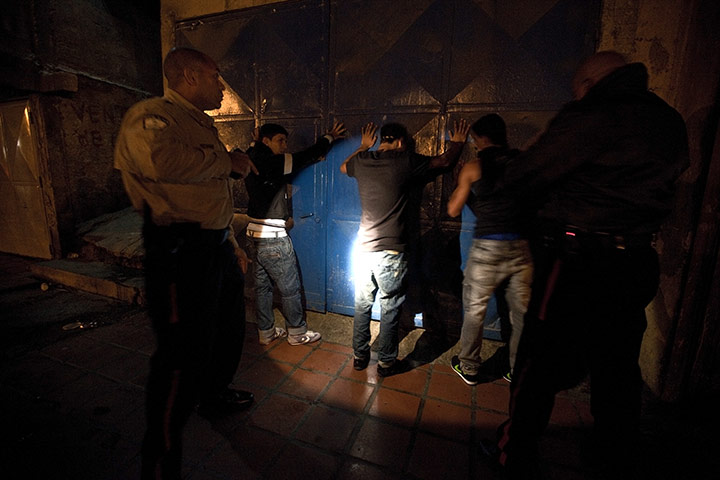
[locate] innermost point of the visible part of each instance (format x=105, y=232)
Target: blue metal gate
x=419, y=62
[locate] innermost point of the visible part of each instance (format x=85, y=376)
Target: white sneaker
x=304, y=338
x=279, y=333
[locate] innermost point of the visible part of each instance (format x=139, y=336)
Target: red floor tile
x=325, y=361
x=245, y=363
x=79, y=391
x=449, y=387
x=443, y=369
x=335, y=347
x=199, y=439
x=492, y=396
x=128, y=367
x=368, y=375
x=487, y=423
x=279, y=414
x=485, y=468
x=395, y=407
x=285, y=352
x=447, y=420
x=82, y=351
x=252, y=348
x=327, y=428
x=564, y=413
x=259, y=392
x=226, y=463
x=304, y=384
x=381, y=444
x=265, y=373
x=413, y=381
x=562, y=445
x=583, y=408
x=357, y=470
x=425, y=366
x=296, y=462
x=348, y=395
x=257, y=447
x=433, y=458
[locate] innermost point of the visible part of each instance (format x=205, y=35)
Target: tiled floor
x=316, y=416
x=72, y=406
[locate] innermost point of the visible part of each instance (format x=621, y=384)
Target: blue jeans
x=385, y=272
x=489, y=264
x=275, y=265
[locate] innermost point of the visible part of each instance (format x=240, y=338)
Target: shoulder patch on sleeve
x=154, y=122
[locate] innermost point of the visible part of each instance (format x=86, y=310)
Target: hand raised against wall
x=338, y=130
x=369, y=136
x=460, y=131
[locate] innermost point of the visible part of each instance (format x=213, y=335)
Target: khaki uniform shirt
x=171, y=158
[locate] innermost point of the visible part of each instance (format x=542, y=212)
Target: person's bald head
x=178, y=59
x=195, y=76
x=593, y=69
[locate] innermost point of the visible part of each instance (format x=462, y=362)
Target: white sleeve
x=288, y=164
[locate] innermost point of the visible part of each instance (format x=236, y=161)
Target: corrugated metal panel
x=23, y=223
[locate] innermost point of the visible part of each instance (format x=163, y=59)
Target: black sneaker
x=225, y=403
x=398, y=366
x=469, y=379
x=360, y=363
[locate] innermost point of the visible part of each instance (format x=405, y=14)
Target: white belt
x=254, y=234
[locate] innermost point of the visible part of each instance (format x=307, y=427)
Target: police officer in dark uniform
x=603, y=177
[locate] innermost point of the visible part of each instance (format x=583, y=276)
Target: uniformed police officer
x=603, y=177
x=178, y=173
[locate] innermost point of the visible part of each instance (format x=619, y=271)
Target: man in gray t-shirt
x=384, y=178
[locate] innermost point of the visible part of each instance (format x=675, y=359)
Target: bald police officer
x=604, y=173
x=178, y=173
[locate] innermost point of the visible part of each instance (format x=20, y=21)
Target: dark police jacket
x=607, y=162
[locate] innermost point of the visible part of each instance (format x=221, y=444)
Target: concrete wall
x=678, y=41
x=80, y=137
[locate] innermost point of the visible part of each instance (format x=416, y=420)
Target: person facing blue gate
x=274, y=260
x=384, y=178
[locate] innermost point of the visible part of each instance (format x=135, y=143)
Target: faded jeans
x=382, y=272
x=489, y=264
x=275, y=265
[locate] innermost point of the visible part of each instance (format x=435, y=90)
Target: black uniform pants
x=195, y=299
x=586, y=314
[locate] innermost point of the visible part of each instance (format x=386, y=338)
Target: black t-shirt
x=502, y=212
x=384, y=180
